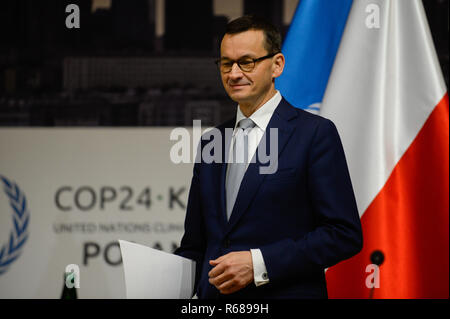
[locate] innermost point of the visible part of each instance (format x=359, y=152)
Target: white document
x=154, y=274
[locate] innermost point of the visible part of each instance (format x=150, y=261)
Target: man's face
x=247, y=87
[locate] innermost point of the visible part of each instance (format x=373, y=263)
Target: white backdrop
x=85, y=188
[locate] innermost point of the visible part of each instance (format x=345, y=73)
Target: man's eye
x=227, y=64
x=245, y=62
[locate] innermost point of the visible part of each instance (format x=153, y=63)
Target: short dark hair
x=272, y=35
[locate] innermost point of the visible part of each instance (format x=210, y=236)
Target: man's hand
x=232, y=271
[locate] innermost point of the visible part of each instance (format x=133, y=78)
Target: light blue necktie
x=237, y=167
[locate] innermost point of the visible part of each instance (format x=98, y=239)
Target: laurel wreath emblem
x=21, y=217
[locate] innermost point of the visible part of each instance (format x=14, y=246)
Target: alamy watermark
x=372, y=20
x=72, y=277
x=373, y=16
x=373, y=278
x=185, y=148
x=73, y=19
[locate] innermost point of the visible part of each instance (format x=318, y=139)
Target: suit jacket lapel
x=252, y=178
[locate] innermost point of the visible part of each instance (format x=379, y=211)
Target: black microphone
x=377, y=258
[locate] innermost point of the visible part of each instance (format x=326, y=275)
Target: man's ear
x=278, y=65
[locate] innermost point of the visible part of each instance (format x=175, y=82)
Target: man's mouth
x=238, y=85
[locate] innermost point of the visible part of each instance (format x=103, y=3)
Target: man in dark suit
x=256, y=235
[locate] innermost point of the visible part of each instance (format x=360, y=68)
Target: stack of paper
x=154, y=274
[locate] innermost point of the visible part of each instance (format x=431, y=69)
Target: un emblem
x=10, y=251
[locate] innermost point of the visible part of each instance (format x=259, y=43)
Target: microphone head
x=377, y=257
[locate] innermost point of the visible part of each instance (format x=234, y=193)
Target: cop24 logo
x=10, y=251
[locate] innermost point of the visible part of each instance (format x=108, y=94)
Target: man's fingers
x=217, y=260
x=220, y=279
x=217, y=270
x=230, y=286
x=219, y=266
x=231, y=272
x=214, y=262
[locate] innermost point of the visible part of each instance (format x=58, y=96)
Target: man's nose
x=236, y=71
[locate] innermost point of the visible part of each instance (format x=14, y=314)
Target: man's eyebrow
x=241, y=57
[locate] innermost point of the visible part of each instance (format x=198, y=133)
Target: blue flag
x=310, y=47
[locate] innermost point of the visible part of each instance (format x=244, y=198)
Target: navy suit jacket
x=303, y=217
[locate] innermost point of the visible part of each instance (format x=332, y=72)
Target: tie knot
x=246, y=123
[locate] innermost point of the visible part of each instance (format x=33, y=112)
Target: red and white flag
x=388, y=99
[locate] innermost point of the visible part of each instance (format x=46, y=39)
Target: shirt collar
x=261, y=116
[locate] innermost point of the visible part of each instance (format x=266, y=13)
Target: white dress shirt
x=261, y=118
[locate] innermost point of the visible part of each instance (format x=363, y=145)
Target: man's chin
x=239, y=97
